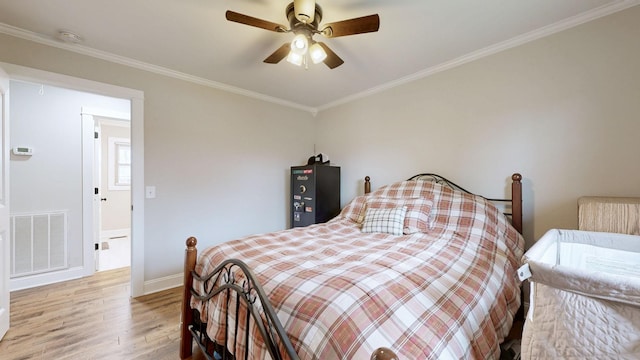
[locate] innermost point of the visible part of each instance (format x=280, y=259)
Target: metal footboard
x=234, y=287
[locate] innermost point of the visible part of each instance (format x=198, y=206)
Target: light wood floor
x=92, y=318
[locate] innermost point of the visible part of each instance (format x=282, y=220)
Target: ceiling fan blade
x=332, y=60
x=251, y=21
x=354, y=26
x=279, y=54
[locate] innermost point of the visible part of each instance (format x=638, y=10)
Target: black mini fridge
x=315, y=194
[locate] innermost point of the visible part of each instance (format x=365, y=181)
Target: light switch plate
x=150, y=192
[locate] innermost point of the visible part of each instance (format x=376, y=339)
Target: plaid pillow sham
x=389, y=221
x=354, y=210
x=418, y=212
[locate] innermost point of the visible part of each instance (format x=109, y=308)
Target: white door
x=4, y=203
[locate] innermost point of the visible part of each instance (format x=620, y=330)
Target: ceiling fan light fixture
x=300, y=44
x=317, y=53
x=295, y=59
x=305, y=19
x=304, y=10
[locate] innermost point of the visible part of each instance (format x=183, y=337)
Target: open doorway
x=112, y=176
x=48, y=218
x=136, y=102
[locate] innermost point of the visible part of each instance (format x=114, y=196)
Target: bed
x=418, y=269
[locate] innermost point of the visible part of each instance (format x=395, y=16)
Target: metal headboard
x=514, y=201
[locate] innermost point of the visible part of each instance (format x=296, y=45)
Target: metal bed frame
x=245, y=292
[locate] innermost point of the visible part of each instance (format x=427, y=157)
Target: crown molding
x=493, y=49
x=490, y=50
x=103, y=55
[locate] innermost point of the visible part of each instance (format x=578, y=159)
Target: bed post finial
x=384, y=353
x=516, y=202
x=367, y=184
x=190, y=256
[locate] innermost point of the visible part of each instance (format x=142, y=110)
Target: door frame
x=5, y=300
x=92, y=170
x=136, y=97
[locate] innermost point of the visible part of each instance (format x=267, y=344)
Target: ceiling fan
x=304, y=21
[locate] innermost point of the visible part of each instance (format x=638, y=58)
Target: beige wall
x=116, y=210
x=219, y=161
x=563, y=110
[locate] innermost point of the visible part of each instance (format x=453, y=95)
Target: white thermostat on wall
x=23, y=150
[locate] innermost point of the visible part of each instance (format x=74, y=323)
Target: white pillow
x=389, y=221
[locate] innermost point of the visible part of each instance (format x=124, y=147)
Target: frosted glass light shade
x=295, y=59
x=317, y=53
x=300, y=44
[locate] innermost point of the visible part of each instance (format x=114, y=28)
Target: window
x=119, y=163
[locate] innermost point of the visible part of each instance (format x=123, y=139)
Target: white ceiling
x=191, y=39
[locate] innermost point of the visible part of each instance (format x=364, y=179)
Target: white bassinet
x=585, y=296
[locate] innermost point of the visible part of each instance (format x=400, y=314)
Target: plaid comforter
x=447, y=292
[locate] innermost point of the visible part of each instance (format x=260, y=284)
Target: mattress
x=585, y=296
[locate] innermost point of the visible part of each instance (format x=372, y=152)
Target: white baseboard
x=30, y=281
x=27, y=282
x=108, y=234
x=164, y=283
